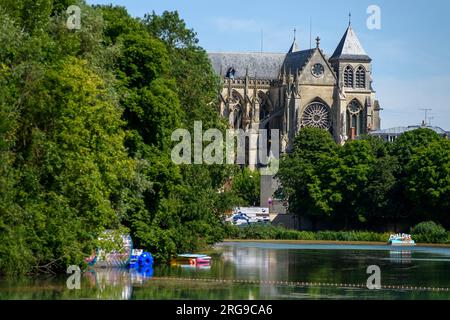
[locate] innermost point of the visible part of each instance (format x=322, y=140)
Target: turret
x=351, y=62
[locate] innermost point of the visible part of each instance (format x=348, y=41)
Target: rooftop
x=259, y=65
x=270, y=66
x=401, y=130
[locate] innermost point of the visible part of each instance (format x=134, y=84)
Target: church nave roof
x=260, y=65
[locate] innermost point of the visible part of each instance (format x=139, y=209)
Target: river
x=262, y=271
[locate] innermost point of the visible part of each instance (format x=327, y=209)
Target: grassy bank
x=267, y=232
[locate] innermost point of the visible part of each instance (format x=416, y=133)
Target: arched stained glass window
x=317, y=115
x=264, y=110
x=238, y=118
x=355, y=120
x=236, y=109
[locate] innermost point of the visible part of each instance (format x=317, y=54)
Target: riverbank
x=326, y=242
x=273, y=233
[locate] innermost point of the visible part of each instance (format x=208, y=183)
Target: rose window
x=317, y=115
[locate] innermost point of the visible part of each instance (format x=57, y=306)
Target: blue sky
x=411, y=51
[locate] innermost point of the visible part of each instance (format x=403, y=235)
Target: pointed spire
x=295, y=47
x=350, y=47
x=349, y=19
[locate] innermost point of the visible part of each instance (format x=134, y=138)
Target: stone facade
x=303, y=88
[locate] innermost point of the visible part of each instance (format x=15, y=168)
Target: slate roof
x=269, y=66
x=296, y=61
x=350, y=48
x=262, y=65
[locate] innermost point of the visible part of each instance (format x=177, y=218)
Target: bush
x=268, y=232
x=429, y=232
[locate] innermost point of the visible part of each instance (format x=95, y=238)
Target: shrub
x=268, y=232
x=429, y=232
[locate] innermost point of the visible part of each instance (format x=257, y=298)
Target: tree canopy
x=368, y=183
x=86, y=118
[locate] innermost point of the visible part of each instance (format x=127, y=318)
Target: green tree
x=13, y=251
x=197, y=84
x=32, y=15
x=404, y=149
x=309, y=175
x=171, y=29
x=86, y=119
x=377, y=195
x=117, y=23
x=356, y=161
x=166, y=86
x=407, y=144
x=428, y=182
x=246, y=185
x=71, y=168
x=376, y=202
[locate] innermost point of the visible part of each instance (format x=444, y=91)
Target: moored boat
x=401, y=240
x=192, y=259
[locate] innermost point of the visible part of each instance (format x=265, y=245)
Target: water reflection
x=266, y=265
x=116, y=283
x=401, y=257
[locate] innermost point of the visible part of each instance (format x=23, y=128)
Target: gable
x=307, y=77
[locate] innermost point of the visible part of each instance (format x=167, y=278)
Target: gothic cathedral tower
x=358, y=111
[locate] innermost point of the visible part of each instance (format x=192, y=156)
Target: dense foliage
x=367, y=183
x=246, y=186
x=86, y=118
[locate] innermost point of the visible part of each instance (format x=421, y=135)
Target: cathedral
x=300, y=88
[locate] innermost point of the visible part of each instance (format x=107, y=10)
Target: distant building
x=390, y=135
